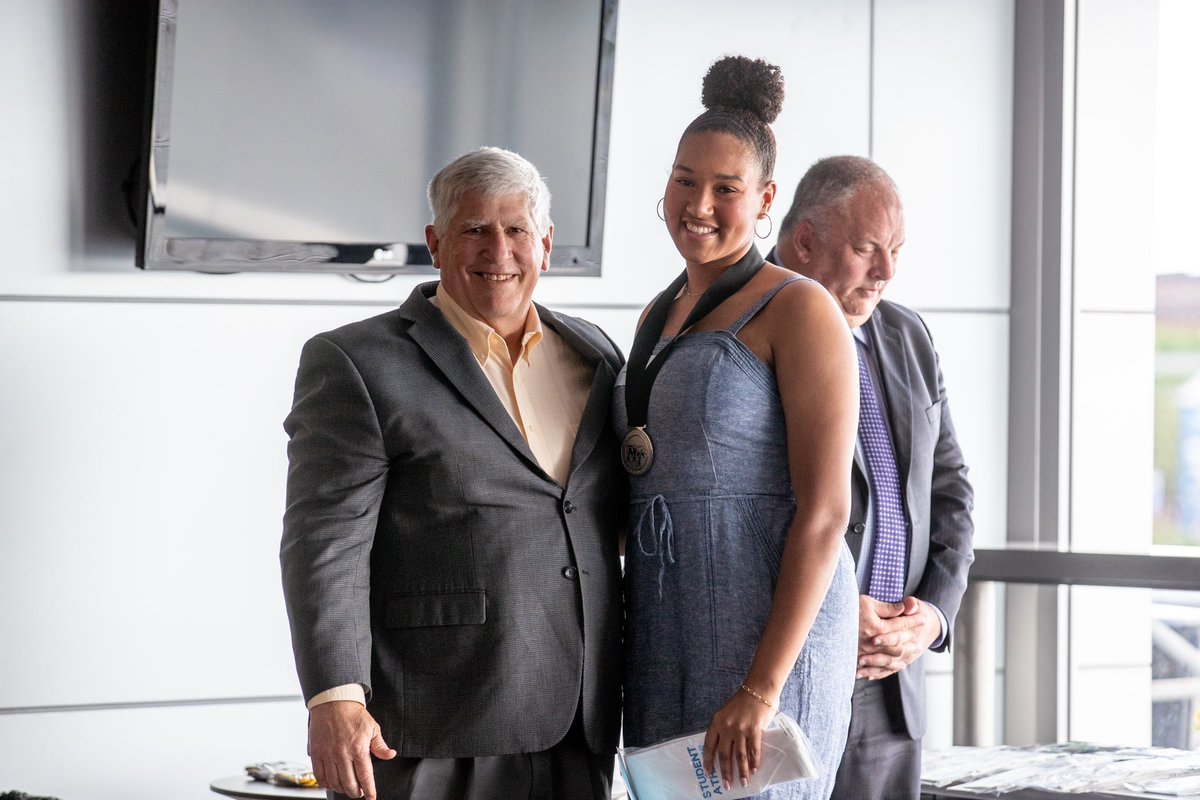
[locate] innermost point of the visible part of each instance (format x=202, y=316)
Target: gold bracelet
x=757, y=696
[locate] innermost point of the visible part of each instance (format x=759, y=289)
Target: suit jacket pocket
x=934, y=413
x=430, y=609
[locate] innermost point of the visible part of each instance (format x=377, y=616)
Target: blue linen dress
x=707, y=528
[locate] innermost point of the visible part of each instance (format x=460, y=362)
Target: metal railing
x=975, y=630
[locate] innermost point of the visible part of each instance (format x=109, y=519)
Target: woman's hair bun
x=737, y=82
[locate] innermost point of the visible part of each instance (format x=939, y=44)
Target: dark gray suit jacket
x=427, y=556
x=937, y=495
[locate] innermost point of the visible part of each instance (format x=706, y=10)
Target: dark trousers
x=881, y=761
x=567, y=771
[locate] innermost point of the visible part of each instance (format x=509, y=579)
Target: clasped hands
x=893, y=635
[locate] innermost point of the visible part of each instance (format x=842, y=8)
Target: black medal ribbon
x=642, y=370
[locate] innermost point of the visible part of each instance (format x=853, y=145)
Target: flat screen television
x=300, y=135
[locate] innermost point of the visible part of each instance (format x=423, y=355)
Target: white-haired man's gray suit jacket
x=427, y=556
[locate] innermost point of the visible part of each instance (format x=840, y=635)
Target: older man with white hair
x=450, y=547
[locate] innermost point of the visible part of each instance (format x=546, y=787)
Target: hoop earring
x=659, y=209
x=770, y=222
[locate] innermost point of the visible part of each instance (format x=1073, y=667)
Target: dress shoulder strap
x=762, y=301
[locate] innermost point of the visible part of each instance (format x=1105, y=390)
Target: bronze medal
x=637, y=452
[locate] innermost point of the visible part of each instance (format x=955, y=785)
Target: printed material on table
x=674, y=769
x=1071, y=767
x=282, y=773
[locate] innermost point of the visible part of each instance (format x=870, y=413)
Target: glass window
x=1133, y=663
x=1177, y=279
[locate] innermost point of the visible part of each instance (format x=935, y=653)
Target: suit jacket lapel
x=892, y=357
x=595, y=418
x=451, y=354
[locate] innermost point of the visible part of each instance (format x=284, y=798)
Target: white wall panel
x=943, y=129
x=142, y=489
x=145, y=753
x=973, y=349
x=33, y=137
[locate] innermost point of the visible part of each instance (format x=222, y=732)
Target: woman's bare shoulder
x=802, y=304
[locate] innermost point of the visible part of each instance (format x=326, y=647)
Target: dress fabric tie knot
x=655, y=519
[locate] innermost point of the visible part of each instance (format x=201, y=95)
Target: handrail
x=1054, y=567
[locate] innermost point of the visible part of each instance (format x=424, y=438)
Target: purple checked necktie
x=890, y=539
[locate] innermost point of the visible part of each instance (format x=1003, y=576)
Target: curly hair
x=743, y=97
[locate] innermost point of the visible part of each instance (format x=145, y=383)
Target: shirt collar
x=483, y=338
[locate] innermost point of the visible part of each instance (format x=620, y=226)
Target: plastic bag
x=674, y=769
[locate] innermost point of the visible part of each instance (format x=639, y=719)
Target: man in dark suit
x=910, y=526
x=450, y=546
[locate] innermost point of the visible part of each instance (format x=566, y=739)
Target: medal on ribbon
x=637, y=452
x=637, y=448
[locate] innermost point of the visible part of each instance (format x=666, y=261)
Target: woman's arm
x=816, y=369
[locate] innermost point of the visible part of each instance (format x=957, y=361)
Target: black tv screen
x=300, y=135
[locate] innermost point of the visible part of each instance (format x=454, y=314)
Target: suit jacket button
x=570, y=573
x=568, y=506
x=859, y=527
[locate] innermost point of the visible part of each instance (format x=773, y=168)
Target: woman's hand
x=735, y=736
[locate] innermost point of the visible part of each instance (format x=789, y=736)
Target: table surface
x=245, y=786
x=936, y=793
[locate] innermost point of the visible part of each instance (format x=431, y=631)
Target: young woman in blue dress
x=739, y=412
